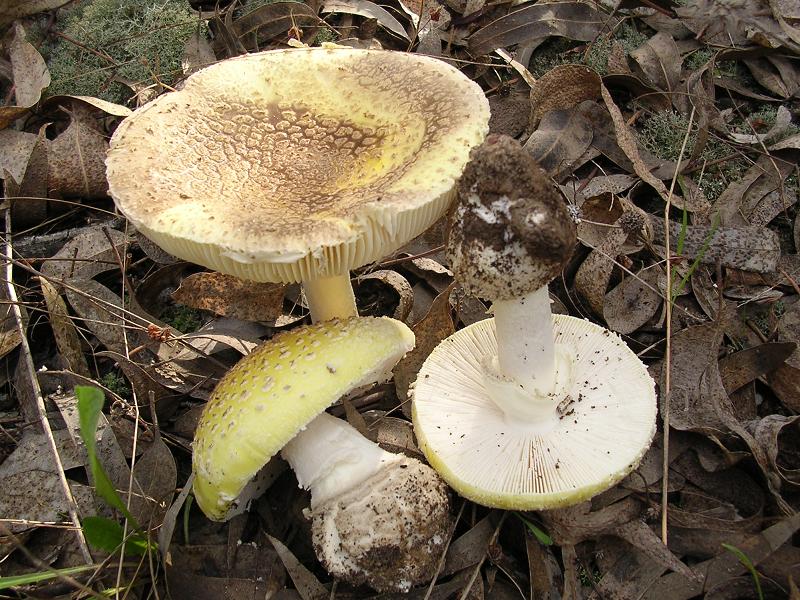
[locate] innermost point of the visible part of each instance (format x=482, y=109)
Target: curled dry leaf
x=110, y=108
x=102, y=313
x=436, y=325
x=307, y=585
x=87, y=255
x=562, y=88
x=18, y=9
x=577, y=21
x=633, y=302
x=778, y=435
x=659, y=61
x=77, y=157
x=399, y=285
x=562, y=138
x=67, y=340
x=28, y=68
x=742, y=367
x=594, y=274
x=232, y=297
x=28, y=204
x=627, y=142
x=15, y=152
x=603, y=185
x=785, y=383
x=272, y=20
x=368, y=9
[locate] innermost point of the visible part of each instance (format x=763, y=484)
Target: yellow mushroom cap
x=275, y=391
x=294, y=164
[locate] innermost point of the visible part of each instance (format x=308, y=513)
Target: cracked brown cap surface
x=291, y=164
x=511, y=232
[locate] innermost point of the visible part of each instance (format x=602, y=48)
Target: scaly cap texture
x=293, y=164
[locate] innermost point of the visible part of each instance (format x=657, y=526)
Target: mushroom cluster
x=377, y=517
x=298, y=165
x=527, y=410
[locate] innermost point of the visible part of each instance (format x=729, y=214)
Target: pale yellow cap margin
x=197, y=197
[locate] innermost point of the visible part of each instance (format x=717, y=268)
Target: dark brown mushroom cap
x=511, y=232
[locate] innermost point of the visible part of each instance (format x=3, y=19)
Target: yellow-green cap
x=271, y=394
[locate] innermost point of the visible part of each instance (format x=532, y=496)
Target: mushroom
x=527, y=410
x=298, y=165
x=377, y=517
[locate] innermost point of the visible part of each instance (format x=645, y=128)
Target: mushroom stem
x=330, y=457
x=330, y=297
x=525, y=348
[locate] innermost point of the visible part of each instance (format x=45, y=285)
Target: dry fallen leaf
x=94, y=251
x=660, y=61
x=29, y=69
x=15, y=151
x=232, y=297
x=436, y=325
x=562, y=138
x=574, y=20
x=633, y=302
x=562, y=88
x=67, y=340
x=77, y=157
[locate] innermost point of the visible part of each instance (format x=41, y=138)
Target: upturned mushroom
x=298, y=165
x=527, y=410
x=377, y=518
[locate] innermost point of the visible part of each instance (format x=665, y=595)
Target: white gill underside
x=607, y=426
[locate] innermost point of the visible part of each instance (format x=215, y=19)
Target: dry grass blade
x=33, y=381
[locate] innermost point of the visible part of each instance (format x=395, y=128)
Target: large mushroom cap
x=279, y=388
x=294, y=164
x=606, y=421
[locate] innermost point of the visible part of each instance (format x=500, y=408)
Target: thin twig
x=26, y=357
x=668, y=350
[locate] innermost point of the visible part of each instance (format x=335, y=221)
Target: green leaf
x=745, y=560
x=90, y=404
x=540, y=534
x=109, y=535
x=30, y=578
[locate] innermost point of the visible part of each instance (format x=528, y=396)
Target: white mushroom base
x=605, y=423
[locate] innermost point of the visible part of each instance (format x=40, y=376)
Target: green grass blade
x=90, y=404
x=745, y=560
x=537, y=531
x=31, y=578
x=109, y=535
